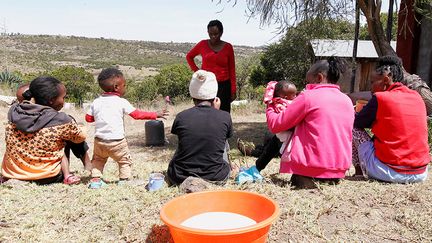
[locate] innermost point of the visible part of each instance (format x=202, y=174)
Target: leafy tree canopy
x=291, y=57
x=364, y=32
x=288, y=13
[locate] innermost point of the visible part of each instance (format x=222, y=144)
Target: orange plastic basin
x=255, y=206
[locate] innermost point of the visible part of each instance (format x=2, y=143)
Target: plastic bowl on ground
x=252, y=205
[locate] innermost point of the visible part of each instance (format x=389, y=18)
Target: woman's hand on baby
x=162, y=114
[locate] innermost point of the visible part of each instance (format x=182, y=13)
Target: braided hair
x=332, y=68
x=43, y=89
x=336, y=67
x=390, y=65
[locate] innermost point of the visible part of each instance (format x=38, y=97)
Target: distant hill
x=32, y=53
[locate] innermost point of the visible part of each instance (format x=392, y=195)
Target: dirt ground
x=354, y=210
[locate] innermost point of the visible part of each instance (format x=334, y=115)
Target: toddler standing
x=107, y=113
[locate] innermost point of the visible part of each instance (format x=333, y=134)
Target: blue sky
x=157, y=20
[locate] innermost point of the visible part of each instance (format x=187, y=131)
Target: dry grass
x=351, y=211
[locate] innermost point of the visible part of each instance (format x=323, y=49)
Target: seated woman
x=323, y=117
x=399, y=150
x=202, y=133
x=36, y=135
x=80, y=150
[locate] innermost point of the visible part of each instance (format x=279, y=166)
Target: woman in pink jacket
x=323, y=119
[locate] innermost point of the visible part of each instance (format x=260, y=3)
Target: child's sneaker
x=96, y=183
x=243, y=177
x=253, y=171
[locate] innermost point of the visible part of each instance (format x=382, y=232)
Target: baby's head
x=19, y=93
x=112, y=80
x=285, y=89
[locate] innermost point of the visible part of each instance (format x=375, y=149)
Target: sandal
x=96, y=183
x=71, y=180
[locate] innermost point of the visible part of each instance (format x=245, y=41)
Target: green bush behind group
x=172, y=80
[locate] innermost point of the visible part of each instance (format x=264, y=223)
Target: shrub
x=139, y=91
x=252, y=93
x=10, y=80
x=173, y=80
x=80, y=84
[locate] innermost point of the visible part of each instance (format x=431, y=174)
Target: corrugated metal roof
x=344, y=48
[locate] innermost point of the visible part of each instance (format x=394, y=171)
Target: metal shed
x=365, y=61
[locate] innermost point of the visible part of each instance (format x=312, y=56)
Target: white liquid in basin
x=218, y=221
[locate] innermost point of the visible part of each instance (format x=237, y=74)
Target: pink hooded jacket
x=322, y=141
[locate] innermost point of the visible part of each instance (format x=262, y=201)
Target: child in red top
x=218, y=58
x=279, y=95
x=107, y=113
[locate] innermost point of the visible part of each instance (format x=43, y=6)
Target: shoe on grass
x=243, y=177
x=96, y=183
x=71, y=179
x=253, y=171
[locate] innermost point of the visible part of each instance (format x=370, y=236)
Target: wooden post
x=390, y=21
x=408, y=36
x=354, y=55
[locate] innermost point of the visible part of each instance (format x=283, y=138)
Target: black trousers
x=270, y=150
x=224, y=94
x=78, y=149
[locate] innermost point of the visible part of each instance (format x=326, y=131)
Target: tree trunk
x=379, y=38
x=375, y=27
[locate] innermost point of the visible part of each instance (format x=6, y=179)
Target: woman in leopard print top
x=36, y=134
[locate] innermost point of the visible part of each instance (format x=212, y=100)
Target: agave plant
x=9, y=78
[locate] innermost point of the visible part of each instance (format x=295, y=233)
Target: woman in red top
x=398, y=151
x=218, y=58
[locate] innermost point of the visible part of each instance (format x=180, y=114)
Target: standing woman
x=218, y=58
